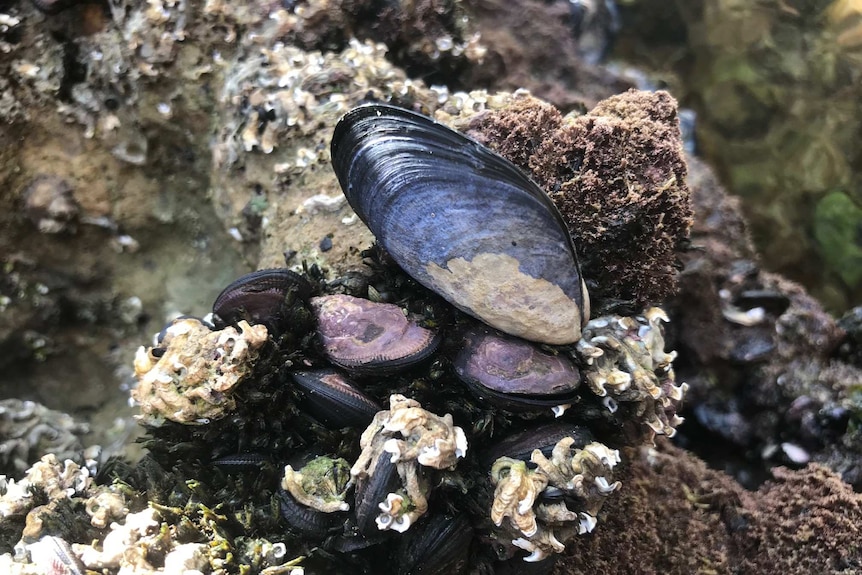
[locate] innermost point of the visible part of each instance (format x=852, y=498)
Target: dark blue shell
x=463, y=221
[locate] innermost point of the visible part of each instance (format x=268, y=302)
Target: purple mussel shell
x=258, y=297
x=514, y=374
x=334, y=400
x=463, y=221
x=369, y=337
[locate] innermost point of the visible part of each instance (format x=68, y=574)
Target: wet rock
x=30, y=430
x=50, y=205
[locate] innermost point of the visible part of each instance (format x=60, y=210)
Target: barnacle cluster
x=542, y=527
x=627, y=366
x=190, y=376
x=119, y=531
x=57, y=481
x=411, y=438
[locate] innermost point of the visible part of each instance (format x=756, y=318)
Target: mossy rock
x=838, y=230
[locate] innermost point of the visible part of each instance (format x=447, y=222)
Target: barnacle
x=430, y=439
x=515, y=494
x=539, y=523
x=56, y=480
x=105, y=507
x=411, y=438
x=191, y=376
x=581, y=472
x=321, y=484
x=626, y=362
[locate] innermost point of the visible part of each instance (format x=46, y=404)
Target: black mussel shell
x=514, y=374
x=438, y=545
x=463, y=221
x=241, y=462
x=369, y=337
x=543, y=437
x=371, y=491
x=306, y=520
x=259, y=297
x=334, y=400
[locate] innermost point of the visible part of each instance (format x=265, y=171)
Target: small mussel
x=312, y=497
x=543, y=437
x=259, y=297
x=514, y=374
x=369, y=337
x=335, y=400
x=372, y=491
x=463, y=221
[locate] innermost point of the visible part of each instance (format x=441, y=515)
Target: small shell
x=304, y=519
x=544, y=438
x=513, y=373
x=333, y=399
x=259, y=297
x=364, y=336
x=462, y=221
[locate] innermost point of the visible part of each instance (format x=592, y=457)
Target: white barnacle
x=587, y=523
x=609, y=457
x=536, y=553
x=605, y=487
x=395, y=514
x=516, y=490
x=559, y=410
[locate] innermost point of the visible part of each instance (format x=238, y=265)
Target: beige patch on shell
x=493, y=289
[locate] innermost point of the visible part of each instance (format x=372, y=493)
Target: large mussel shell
x=259, y=297
x=330, y=397
x=370, y=337
x=514, y=374
x=463, y=221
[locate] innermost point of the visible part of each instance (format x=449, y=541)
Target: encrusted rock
x=189, y=378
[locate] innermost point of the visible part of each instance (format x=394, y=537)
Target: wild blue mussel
x=463, y=221
x=473, y=229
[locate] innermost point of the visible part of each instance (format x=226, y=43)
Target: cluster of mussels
x=428, y=411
